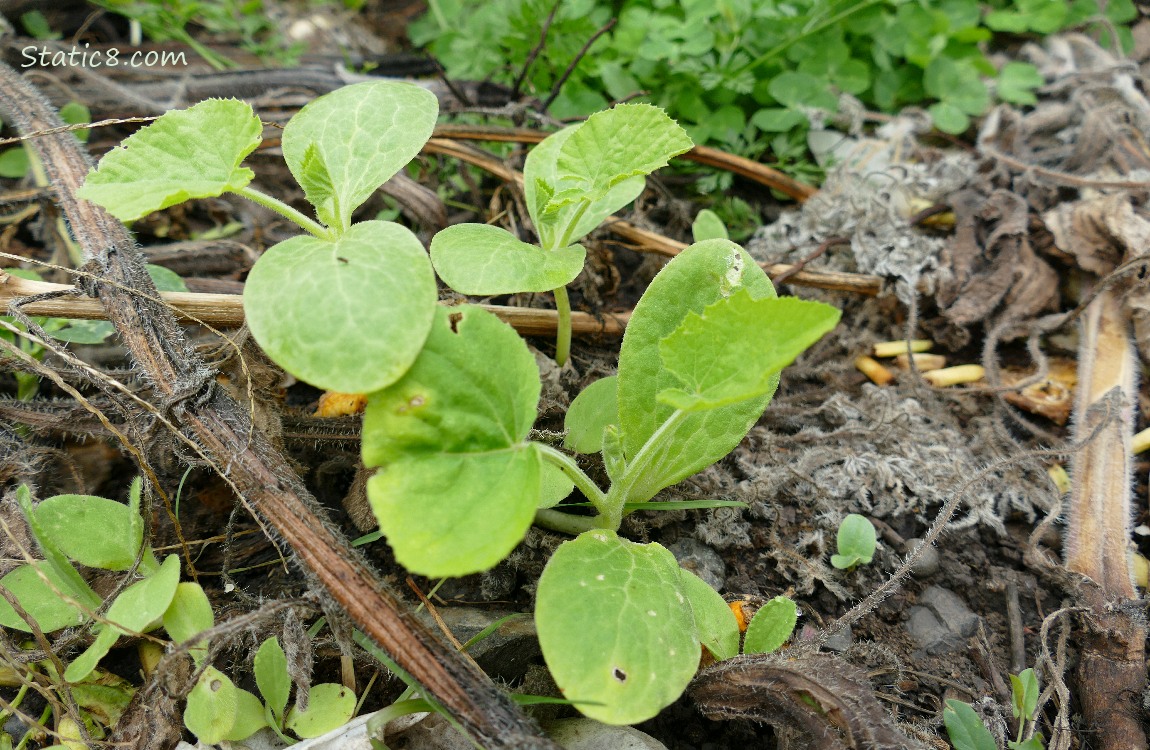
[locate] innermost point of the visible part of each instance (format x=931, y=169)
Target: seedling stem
x=286, y=211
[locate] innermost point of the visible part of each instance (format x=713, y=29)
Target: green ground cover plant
x=453, y=392
x=856, y=541
x=967, y=732
x=742, y=75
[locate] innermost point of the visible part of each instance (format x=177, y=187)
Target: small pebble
x=701, y=560
x=927, y=563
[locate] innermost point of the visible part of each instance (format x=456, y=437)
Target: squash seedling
x=856, y=542
x=572, y=180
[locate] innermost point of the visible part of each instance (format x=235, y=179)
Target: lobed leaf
x=608, y=147
x=771, y=626
x=540, y=177
x=699, y=276
x=593, y=409
x=481, y=259
x=714, y=621
x=615, y=627
x=185, y=154
x=459, y=483
x=732, y=351
x=348, y=315
x=344, y=145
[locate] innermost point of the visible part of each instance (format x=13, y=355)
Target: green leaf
x=185, y=154
x=93, y=531
x=137, y=607
x=609, y=147
x=481, y=259
x=776, y=120
x=347, y=315
x=62, y=569
x=250, y=716
x=38, y=599
x=771, y=626
x=554, y=485
x=699, y=276
x=708, y=226
x=715, y=623
x=212, y=706
x=1034, y=743
x=272, y=677
x=14, y=163
x=459, y=484
x=593, y=409
x=75, y=113
x=732, y=351
x=856, y=542
x=615, y=627
x=797, y=90
x=948, y=118
x=1024, y=694
x=330, y=706
x=344, y=145
x=189, y=614
x=1017, y=82
x=965, y=729
x=957, y=83
x=540, y=178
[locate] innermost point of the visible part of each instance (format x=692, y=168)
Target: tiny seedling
x=967, y=732
x=856, y=542
x=572, y=180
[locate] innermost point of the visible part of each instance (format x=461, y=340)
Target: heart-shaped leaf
x=348, y=315
x=615, y=628
x=481, y=259
x=459, y=483
x=344, y=145
x=185, y=154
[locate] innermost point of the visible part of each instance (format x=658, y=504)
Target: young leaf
x=615, y=627
x=272, y=678
x=330, y=706
x=344, y=145
x=554, y=485
x=1024, y=694
x=189, y=614
x=1034, y=743
x=731, y=352
x=714, y=621
x=137, y=607
x=459, y=484
x=856, y=542
x=699, y=276
x=348, y=315
x=93, y=531
x=708, y=226
x=593, y=409
x=771, y=626
x=62, y=570
x=212, y=705
x=185, y=154
x=965, y=729
x=39, y=599
x=481, y=259
x=610, y=146
x=539, y=180
x=250, y=716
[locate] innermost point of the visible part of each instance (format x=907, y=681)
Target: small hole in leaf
x=454, y=319
x=619, y=674
x=216, y=685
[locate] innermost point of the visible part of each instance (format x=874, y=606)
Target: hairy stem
x=621, y=490
x=563, y=331
x=588, y=487
x=286, y=211
x=564, y=523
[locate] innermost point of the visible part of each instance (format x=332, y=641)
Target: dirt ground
x=993, y=249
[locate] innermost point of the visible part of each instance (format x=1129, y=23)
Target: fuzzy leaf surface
x=185, y=154
x=593, y=409
x=714, y=621
x=459, y=483
x=708, y=226
x=481, y=259
x=699, y=276
x=615, y=627
x=348, y=315
x=771, y=626
x=733, y=351
x=137, y=607
x=554, y=486
x=540, y=177
x=93, y=531
x=344, y=145
x=608, y=147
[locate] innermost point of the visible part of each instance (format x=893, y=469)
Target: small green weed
x=856, y=542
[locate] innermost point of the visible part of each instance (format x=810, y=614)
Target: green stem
x=585, y=484
x=563, y=328
x=564, y=523
x=620, y=491
x=286, y=211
